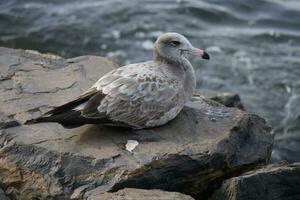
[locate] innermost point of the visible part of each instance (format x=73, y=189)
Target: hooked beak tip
x=199, y=52
x=205, y=56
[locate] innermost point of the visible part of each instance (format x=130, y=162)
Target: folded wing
x=136, y=96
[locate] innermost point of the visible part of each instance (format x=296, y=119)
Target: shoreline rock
x=277, y=181
x=206, y=144
x=136, y=194
x=225, y=98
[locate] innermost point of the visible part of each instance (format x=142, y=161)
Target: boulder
x=135, y=194
x=205, y=144
x=226, y=98
x=278, y=181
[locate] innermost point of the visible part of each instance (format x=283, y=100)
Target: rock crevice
x=192, y=154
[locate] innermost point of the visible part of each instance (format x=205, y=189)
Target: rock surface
x=136, y=194
x=225, y=98
x=3, y=195
x=269, y=183
x=193, y=154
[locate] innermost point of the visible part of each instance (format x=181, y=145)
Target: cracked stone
x=131, y=193
x=224, y=98
x=192, y=154
x=7, y=122
x=277, y=181
x=3, y=196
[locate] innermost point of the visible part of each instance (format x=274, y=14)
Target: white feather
x=79, y=107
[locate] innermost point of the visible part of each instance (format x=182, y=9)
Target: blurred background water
x=254, y=45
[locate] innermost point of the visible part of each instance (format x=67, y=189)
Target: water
x=254, y=45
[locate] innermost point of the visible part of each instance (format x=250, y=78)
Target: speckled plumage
x=138, y=95
x=142, y=95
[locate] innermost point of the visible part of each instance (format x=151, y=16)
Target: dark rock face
x=3, y=195
x=131, y=193
x=227, y=99
x=7, y=122
x=268, y=183
x=193, y=154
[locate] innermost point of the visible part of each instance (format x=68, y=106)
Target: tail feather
x=68, y=116
x=33, y=121
x=43, y=120
x=70, y=119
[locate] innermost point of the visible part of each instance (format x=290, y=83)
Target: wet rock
x=278, y=181
x=131, y=193
x=193, y=154
x=225, y=98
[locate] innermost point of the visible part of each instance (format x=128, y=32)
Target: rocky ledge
x=206, y=144
x=278, y=181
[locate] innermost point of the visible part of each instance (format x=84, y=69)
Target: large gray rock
x=205, y=144
x=137, y=194
x=225, y=98
x=272, y=182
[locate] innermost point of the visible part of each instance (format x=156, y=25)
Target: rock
x=225, y=98
x=3, y=195
x=193, y=154
x=7, y=122
x=13, y=193
x=131, y=193
x=271, y=182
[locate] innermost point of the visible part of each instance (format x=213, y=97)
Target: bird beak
x=198, y=52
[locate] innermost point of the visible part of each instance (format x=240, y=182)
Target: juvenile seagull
x=140, y=95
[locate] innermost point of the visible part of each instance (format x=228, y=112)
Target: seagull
x=140, y=95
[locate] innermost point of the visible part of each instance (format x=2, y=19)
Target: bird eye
x=175, y=43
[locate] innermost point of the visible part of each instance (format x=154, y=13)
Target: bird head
x=173, y=46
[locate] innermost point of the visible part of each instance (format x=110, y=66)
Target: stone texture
x=205, y=144
x=225, y=98
x=136, y=194
x=7, y=122
x=3, y=195
x=33, y=82
x=278, y=181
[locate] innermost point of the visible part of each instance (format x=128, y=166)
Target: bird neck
x=189, y=79
x=167, y=59
x=184, y=69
